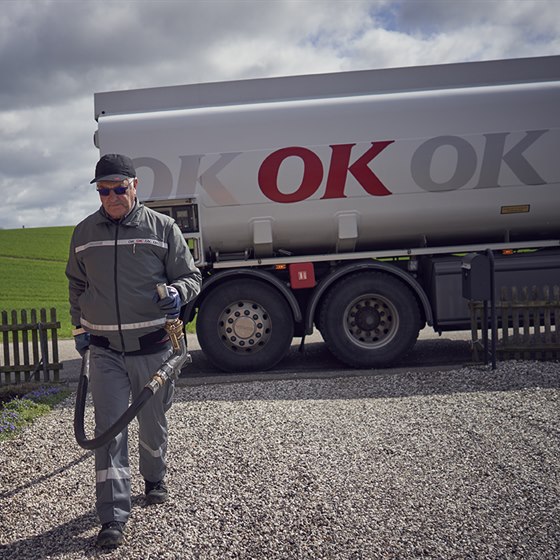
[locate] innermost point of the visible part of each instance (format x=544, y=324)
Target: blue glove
x=82, y=343
x=170, y=305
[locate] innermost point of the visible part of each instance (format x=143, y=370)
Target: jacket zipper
x=117, y=290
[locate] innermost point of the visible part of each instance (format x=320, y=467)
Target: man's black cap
x=114, y=167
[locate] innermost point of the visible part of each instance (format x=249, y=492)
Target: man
x=117, y=256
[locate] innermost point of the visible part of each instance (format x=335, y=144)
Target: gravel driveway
x=432, y=464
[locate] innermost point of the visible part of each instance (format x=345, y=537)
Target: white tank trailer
x=345, y=201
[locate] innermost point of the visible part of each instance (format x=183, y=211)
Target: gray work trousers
x=113, y=377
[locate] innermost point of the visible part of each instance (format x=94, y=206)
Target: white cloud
x=54, y=54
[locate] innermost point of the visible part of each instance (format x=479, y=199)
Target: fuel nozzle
x=173, y=325
x=162, y=290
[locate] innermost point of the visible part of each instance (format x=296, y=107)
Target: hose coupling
x=156, y=382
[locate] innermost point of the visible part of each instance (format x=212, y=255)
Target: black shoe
x=111, y=534
x=156, y=492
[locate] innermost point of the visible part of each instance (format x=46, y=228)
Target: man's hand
x=82, y=342
x=170, y=305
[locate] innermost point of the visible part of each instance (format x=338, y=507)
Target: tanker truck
x=346, y=202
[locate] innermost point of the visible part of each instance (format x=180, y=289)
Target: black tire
x=369, y=319
x=244, y=325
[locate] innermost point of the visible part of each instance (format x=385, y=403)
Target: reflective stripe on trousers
x=112, y=473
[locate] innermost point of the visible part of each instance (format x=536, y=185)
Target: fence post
x=35, y=341
x=6, y=345
x=54, y=339
x=504, y=308
x=15, y=338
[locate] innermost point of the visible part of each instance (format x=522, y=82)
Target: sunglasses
x=104, y=191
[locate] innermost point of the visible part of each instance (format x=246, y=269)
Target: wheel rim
x=371, y=321
x=245, y=326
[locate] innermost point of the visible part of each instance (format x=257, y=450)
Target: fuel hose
x=169, y=369
x=117, y=427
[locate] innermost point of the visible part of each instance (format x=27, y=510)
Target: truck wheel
x=244, y=325
x=369, y=320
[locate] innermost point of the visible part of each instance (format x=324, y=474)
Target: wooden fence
x=527, y=324
x=26, y=354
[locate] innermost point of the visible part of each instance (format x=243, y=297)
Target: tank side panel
x=440, y=167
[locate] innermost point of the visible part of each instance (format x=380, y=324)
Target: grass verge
x=20, y=405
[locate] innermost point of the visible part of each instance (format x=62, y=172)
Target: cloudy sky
x=55, y=54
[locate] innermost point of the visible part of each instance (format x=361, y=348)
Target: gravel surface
x=432, y=464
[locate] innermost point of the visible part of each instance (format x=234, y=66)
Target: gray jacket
x=113, y=269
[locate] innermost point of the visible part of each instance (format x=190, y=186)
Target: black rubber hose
x=117, y=427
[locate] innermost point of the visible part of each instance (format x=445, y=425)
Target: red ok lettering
x=313, y=172
x=340, y=165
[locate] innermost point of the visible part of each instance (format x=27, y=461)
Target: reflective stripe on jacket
x=113, y=269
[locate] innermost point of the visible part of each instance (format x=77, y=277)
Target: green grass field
x=32, y=264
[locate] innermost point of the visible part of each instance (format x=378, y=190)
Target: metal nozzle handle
x=162, y=290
